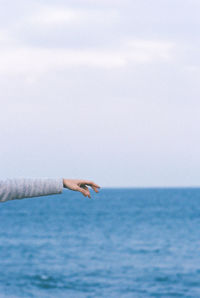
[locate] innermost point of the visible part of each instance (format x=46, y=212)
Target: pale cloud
x=30, y=60
x=5, y=38
x=150, y=50
x=2, y=36
x=52, y=16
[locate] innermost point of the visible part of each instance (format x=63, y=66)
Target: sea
x=124, y=242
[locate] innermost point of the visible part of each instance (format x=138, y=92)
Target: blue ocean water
x=121, y=243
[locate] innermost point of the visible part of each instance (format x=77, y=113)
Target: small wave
x=162, y=279
x=45, y=281
x=143, y=251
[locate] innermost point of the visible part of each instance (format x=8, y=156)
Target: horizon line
x=145, y=187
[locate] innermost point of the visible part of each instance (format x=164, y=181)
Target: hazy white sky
x=106, y=90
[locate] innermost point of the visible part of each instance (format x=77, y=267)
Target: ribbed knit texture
x=19, y=188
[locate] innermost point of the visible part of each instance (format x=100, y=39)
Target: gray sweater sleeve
x=19, y=188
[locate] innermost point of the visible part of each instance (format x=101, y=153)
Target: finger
x=95, y=189
x=90, y=183
x=87, y=189
x=83, y=191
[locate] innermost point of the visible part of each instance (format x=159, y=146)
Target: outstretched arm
x=19, y=188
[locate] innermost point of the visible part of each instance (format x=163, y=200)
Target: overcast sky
x=106, y=90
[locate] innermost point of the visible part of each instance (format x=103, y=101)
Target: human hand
x=81, y=186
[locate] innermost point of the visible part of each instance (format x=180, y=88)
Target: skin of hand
x=81, y=186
